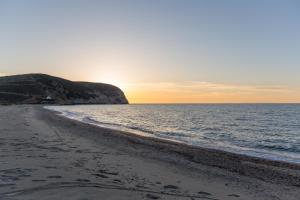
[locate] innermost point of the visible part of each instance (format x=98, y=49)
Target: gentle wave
x=268, y=131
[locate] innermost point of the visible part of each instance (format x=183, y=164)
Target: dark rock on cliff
x=42, y=88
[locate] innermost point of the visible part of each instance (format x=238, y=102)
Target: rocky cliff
x=42, y=88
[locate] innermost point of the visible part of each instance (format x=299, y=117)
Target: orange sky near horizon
x=193, y=91
x=202, y=92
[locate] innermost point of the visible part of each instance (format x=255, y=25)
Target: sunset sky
x=160, y=51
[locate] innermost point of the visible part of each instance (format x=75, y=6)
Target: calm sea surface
x=264, y=130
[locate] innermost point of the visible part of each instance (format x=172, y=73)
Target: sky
x=160, y=51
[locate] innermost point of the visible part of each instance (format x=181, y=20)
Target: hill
x=42, y=88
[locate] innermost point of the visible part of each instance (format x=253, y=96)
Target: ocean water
x=270, y=131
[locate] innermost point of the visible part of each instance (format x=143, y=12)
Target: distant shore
x=46, y=155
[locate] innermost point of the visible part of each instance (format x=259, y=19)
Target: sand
x=45, y=156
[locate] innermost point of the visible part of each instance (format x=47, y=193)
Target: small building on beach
x=48, y=100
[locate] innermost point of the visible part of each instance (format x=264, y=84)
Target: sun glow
x=109, y=77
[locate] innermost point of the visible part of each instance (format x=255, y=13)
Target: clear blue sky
x=231, y=42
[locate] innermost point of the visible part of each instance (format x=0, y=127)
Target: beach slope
x=45, y=156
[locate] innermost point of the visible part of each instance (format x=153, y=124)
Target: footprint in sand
x=6, y=185
x=49, y=167
x=117, y=181
x=54, y=176
x=101, y=175
x=108, y=172
x=234, y=195
x=172, y=187
x=152, y=196
x=83, y=180
x=38, y=180
x=141, y=186
x=204, y=193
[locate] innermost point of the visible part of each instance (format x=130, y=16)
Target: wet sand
x=45, y=156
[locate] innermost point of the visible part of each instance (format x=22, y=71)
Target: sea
x=270, y=131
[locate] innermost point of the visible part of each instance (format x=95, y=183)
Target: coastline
x=87, y=161
x=261, y=168
x=201, y=129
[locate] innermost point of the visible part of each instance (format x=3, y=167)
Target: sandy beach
x=46, y=156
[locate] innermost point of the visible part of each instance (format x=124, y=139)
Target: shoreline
x=140, y=133
x=257, y=167
x=46, y=156
x=262, y=154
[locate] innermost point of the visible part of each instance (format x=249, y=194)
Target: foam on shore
x=261, y=168
x=174, y=137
